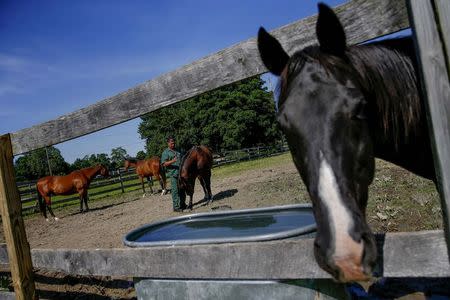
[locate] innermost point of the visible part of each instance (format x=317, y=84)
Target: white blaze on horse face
x=340, y=219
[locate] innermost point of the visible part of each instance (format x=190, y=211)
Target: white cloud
x=12, y=63
x=25, y=75
x=10, y=88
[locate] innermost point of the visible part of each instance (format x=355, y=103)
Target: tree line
x=44, y=162
x=240, y=115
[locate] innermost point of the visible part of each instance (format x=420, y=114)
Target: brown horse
x=148, y=168
x=76, y=182
x=196, y=163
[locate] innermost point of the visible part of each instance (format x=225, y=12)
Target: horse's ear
x=272, y=54
x=330, y=33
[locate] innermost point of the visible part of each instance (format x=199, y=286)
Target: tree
x=100, y=159
x=141, y=155
x=33, y=165
x=235, y=116
x=158, y=125
x=91, y=160
x=117, y=155
x=81, y=163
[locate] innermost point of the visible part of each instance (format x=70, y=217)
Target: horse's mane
x=132, y=159
x=88, y=170
x=187, y=155
x=386, y=73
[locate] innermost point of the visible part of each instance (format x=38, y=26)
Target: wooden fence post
x=430, y=21
x=13, y=225
x=121, y=181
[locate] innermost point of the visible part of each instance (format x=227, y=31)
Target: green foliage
x=239, y=115
x=102, y=159
x=140, y=155
x=81, y=163
x=33, y=165
x=117, y=155
x=92, y=160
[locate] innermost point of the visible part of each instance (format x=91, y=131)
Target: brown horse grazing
x=148, y=168
x=76, y=182
x=196, y=163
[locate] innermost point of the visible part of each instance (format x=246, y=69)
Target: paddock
x=403, y=254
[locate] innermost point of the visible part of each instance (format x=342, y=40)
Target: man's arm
x=169, y=162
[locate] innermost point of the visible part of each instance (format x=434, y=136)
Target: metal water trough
x=249, y=225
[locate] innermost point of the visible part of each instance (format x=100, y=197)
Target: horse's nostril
x=369, y=258
x=351, y=271
x=318, y=248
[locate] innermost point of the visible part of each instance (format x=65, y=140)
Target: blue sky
x=59, y=56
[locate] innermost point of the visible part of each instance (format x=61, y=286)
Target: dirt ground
x=108, y=221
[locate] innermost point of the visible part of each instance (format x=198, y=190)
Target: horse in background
x=147, y=169
x=196, y=163
x=76, y=182
x=340, y=107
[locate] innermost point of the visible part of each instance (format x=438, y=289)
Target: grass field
x=261, y=163
x=401, y=201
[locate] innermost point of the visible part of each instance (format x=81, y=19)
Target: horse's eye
x=359, y=113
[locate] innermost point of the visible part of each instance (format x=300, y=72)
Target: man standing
x=171, y=159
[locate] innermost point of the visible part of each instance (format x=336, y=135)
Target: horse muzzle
x=351, y=269
x=352, y=262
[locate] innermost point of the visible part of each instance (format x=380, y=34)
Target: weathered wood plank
x=443, y=10
x=435, y=79
x=413, y=254
x=13, y=225
x=363, y=19
x=7, y=296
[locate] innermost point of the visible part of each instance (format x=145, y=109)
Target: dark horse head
x=186, y=181
x=104, y=171
x=339, y=107
x=196, y=163
x=129, y=162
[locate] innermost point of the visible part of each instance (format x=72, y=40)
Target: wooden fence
x=232, y=156
x=119, y=180
x=403, y=254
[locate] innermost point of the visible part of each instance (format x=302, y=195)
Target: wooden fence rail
x=363, y=20
x=431, y=28
x=402, y=255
